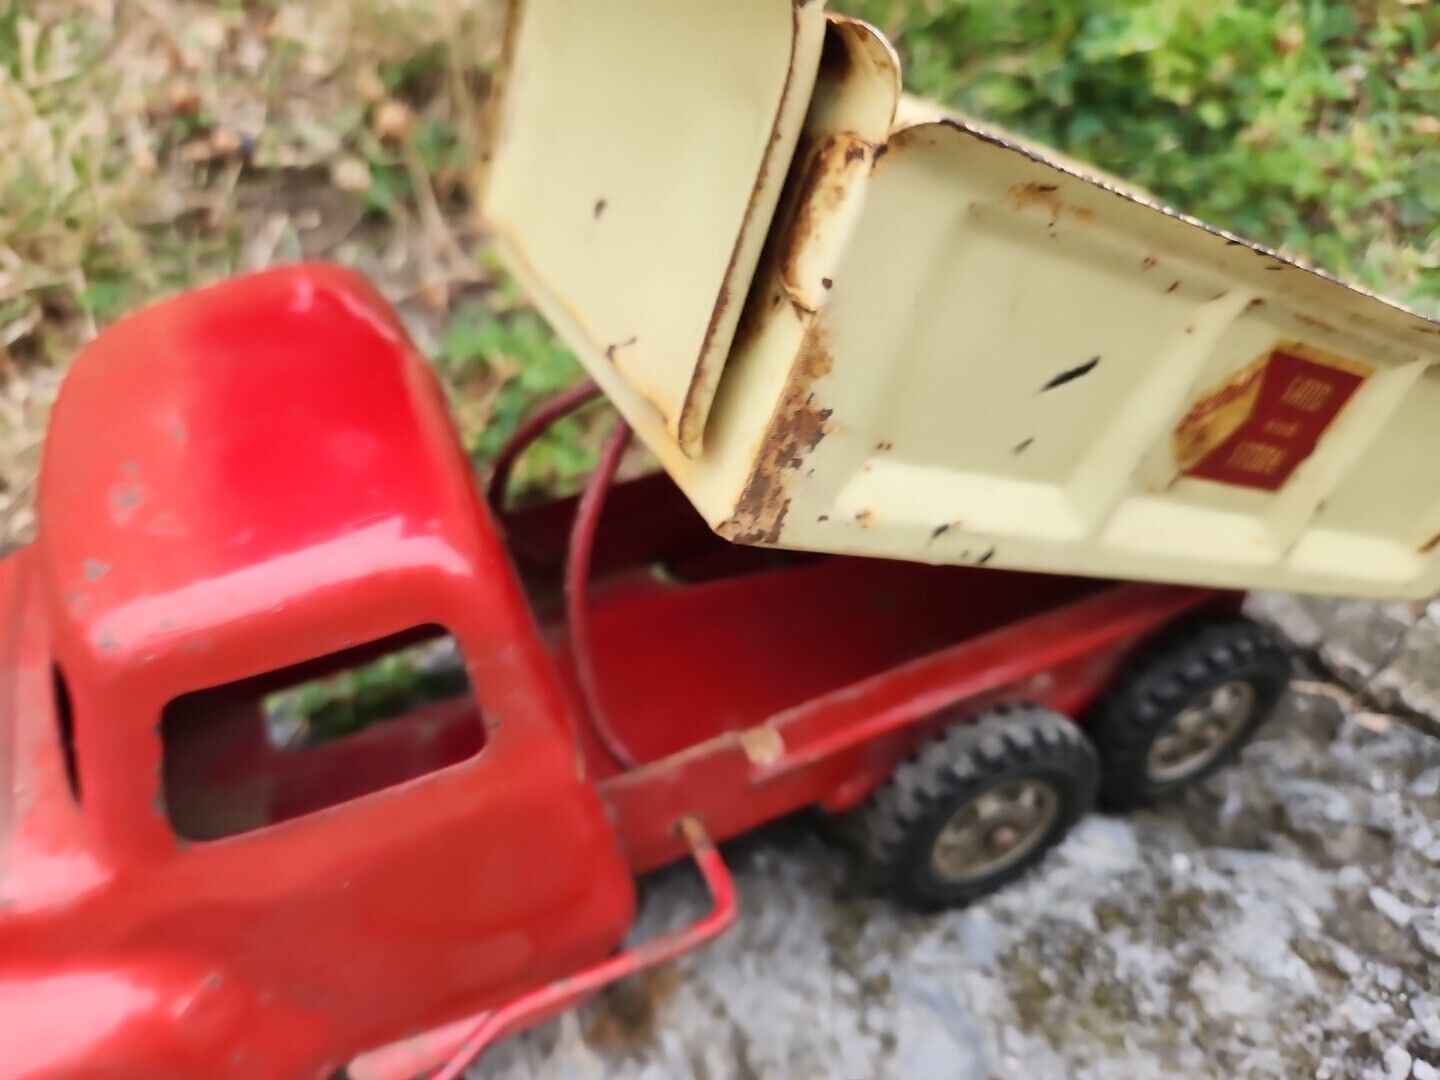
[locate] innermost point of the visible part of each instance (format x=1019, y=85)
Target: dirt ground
x=1278, y=922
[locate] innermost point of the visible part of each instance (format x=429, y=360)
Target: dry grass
x=154, y=144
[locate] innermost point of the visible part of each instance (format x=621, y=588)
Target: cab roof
x=244, y=473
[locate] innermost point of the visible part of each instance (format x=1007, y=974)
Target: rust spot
x=885, y=445
x=1149, y=262
x=1026, y=196
x=627, y=1013
x=823, y=517
x=1071, y=374
x=1173, y=286
x=819, y=193
x=1023, y=445
x=796, y=429
x=828, y=283
x=1190, y=329
x=864, y=517
x=600, y=205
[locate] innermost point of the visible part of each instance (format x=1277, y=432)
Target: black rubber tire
x=899, y=827
x=1181, y=668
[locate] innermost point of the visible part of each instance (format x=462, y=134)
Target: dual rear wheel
x=980, y=804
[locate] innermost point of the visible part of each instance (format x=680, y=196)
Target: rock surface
x=1389, y=653
x=1280, y=921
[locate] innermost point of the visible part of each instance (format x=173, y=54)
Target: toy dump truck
x=312, y=760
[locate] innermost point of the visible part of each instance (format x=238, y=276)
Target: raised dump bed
x=846, y=322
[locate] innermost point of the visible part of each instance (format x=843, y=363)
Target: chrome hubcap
x=1200, y=732
x=994, y=830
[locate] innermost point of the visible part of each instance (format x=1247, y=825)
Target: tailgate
x=638, y=151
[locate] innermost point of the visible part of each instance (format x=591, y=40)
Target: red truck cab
x=242, y=490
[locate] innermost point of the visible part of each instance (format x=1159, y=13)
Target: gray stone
x=1411, y=681
x=1362, y=639
x=1301, y=619
x=1390, y=653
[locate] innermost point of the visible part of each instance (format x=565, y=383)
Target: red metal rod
x=549, y=1000
x=577, y=591
x=530, y=429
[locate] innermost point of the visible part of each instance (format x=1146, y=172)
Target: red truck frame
x=258, y=485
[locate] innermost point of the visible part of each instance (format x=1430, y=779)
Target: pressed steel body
x=278, y=481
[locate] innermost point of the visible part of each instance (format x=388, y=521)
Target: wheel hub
x=1201, y=732
x=994, y=830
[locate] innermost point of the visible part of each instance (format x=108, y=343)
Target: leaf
x=105, y=300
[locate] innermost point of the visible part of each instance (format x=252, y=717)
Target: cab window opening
x=287, y=743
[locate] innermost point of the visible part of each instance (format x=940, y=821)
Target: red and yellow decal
x=1255, y=428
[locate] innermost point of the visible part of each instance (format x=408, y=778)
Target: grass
x=155, y=144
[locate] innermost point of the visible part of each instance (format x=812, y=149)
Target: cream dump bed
x=847, y=323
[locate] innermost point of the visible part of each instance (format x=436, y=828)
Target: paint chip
x=1071, y=374
x=763, y=746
